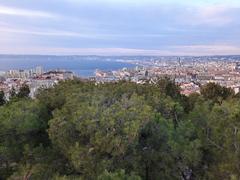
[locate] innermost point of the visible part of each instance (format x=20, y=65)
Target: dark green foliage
x=216, y=93
x=12, y=94
x=24, y=91
x=193, y=99
x=169, y=87
x=2, y=99
x=219, y=132
x=22, y=124
x=123, y=131
x=119, y=175
x=93, y=138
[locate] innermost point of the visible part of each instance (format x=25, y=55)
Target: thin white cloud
x=45, y=32
x=83, y=51
x=158, y=2
x=195, y=50
x=215, y=49
x=217, y=14
x=51, y=32
x=213, y=15
x=12, y=11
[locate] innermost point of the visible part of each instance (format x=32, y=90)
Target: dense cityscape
x=188, y=72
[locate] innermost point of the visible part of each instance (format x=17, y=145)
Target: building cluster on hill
x=34, y=78
x=189, y=72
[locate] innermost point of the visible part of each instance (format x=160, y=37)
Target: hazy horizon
x=95, y=55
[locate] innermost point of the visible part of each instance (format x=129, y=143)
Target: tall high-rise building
x=39, y=70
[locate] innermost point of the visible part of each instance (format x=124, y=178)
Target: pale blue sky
x=120, y=27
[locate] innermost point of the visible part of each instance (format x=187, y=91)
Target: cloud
x=217, y=15
x=53, y=32
x=83, y=51
x=12, y=11
x=211, y=15
x=195, y=50
x=45, y=32
x=155, y=1
x=219, y=49
x=152, y=27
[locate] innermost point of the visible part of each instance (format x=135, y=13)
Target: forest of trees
x=120, y=131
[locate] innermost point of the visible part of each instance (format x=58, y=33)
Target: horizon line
x=142, y=55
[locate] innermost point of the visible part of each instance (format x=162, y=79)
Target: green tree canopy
x=215, y=92
x=24, y=91
x=2, y=98
x=82, y=130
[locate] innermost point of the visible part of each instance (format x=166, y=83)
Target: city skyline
x=114, y=27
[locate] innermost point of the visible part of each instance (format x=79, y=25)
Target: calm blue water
x=81, y=65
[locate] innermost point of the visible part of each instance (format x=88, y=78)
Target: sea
x=83, y=66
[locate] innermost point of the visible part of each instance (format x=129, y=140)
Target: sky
x=120, y=27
